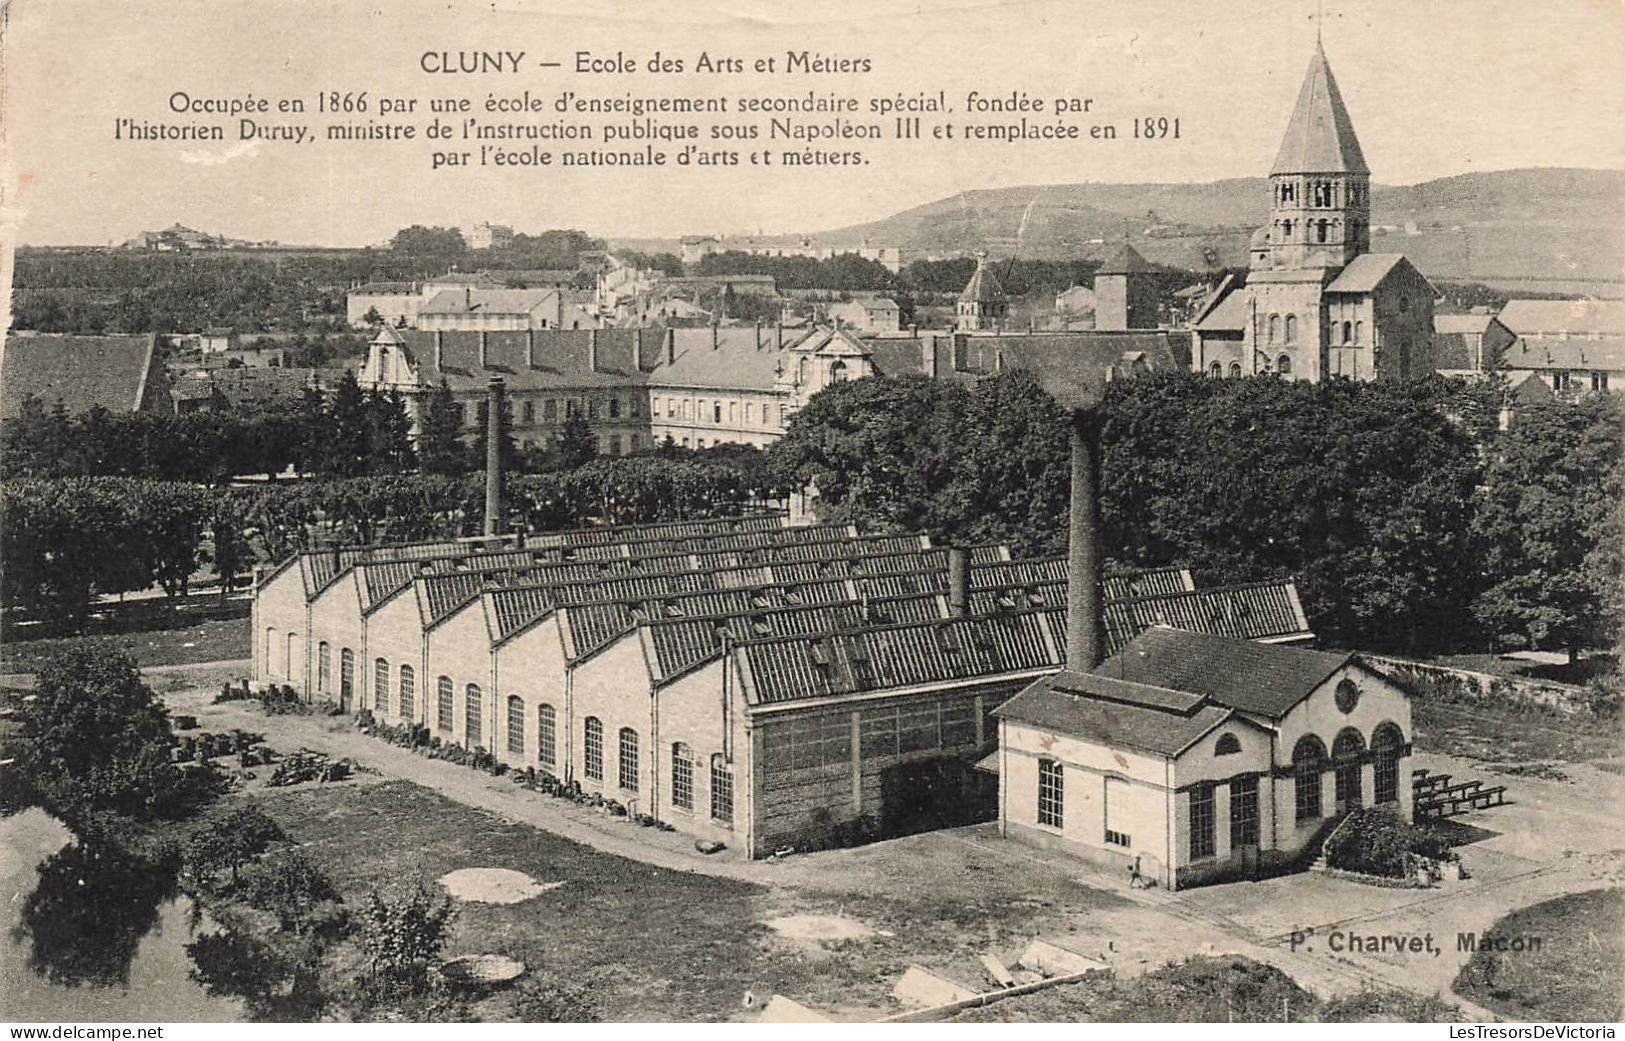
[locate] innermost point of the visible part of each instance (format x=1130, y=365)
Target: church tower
x=1320, y=187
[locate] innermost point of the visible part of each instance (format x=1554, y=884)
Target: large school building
x=745, y=681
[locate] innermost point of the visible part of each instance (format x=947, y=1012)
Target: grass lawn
x=153, y=631
x=657, y=944
x=1508, y=735
x=1576, y=974
x=1223, y=989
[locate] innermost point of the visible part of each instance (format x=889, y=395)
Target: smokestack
x=1084, y=639
x=637, y=350
x=439, y=349
x=671, y=346
x=530, y=348
x=781, y=332
x=958, y=581
x=485, y=341
x=758, y=334
x=592, y=350
x=928, y=348
x=493, y=455
x=716, y=337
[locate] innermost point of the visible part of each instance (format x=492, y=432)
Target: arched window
x=346, y=674
x=516, y=724
x=627, y=774
x=1308, y=759
x=722, y=791
x=1320, y=231
x=324, y=667
x=473, y=724
x=546, y=735
x=273, y=647
x=380, y=686
x=1235, y=370
x=1216, y=371
x=682, y=777
x=1348, y=332
x=1051, y=793
x=1359, y=332
x=592, y=748
x=1348, y=753
x=1283, y=365
x=1228, y=744
x=1274, y=332
x=1291, y=328
x=1387, y=747
x=837, y=371
x=409, y=690
x=444, y=701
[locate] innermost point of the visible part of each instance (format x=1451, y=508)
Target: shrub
x=1374, y=842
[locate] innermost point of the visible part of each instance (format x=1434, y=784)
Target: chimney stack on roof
x=592, y=350
x=716, y=335
x=493, y=455
x=485, y=342
x=439, y=350
x=637, y=349
x=671, y=346
x=758, y=334
x=530, y=348
x=781, y=331
x=928, y=354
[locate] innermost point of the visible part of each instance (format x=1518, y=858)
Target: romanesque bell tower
x=1320, y=208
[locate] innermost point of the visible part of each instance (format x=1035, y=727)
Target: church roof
x=1319, y=136
x=1366, y=272
x=983, y=287
x=1125, y=260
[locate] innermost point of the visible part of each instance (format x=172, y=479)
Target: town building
x=1469, y=343
x=692, y=249
x=486, y=235
x=982, y=304
x=471, y=309
x=394, y=303
x=119, y=373
x=1315, y=303
x=1125, y=292
x=1573, y=346
x=1188, y=757
x=868, y=315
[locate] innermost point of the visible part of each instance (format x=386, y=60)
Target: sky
x=1435, y=88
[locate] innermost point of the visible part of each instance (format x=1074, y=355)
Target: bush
x=1374, y=842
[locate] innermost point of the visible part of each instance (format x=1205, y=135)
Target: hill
x=1530, y=226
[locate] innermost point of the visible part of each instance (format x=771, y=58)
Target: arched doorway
x=1348, y=759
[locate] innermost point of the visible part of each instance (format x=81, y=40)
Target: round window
x=1347, y=696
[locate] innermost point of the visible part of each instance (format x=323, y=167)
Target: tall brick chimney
x=493, y=455
x=530, y=348
x=1085, y=639
x=671, y=346
x=637, y=350
x=485, y=344
x=439, y=350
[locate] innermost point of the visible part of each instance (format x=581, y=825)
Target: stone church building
x=1315, y=302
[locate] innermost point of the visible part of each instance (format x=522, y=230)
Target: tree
x=577, y=445
x=372, y=317
x=388, y=432
x=1551, y=527
x=346, y=453
x=429, y=241
x=95, y=738
x=293, y=887
x=228, y=844
x=440, y=448
x=402, y=934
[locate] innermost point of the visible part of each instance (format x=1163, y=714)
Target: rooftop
x=1261, y=678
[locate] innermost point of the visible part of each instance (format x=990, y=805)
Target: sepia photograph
x=912, y=511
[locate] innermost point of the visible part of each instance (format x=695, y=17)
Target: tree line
x=64, y=541
x=1409, y=520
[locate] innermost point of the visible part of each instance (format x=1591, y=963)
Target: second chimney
x=530, y=348
x=592, y=350
x=637, y=350
x=485, y=344
x=439, y=350
x=958, y=581
x=671, y=346
x=493, y=455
